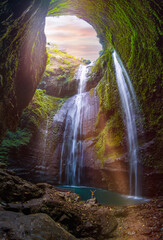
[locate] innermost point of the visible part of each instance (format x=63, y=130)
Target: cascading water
x=131, y=111
x=45, y=141
x=72, y=137
x=40, y=169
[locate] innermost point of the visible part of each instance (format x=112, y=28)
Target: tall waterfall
x=72, y=139
x=130, y=110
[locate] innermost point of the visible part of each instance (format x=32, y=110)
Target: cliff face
x=132, y=28
x=22, y=57
x=59, y=77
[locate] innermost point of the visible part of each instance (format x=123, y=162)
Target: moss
x=41, y=107
x=109, y=123
x=58, y=7
x=92, y=91
x=107, y=87
x=108, y=142
x=59, y=77
x=133, y=28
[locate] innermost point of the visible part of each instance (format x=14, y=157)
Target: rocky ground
x=41, y=211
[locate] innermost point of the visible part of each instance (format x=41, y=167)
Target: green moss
x=58, y=7
x=92, y=91
x=109, y=123
x=107, y=87
x=109, y=142
x=133, y=28
x=42, y=105
x=67, y=64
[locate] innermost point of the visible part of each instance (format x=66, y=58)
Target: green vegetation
x=133, y=28
x=41, y=107
x=58, y=79
x=92, y=91
x=109, y=142
x=21, y=35
x=85, y=61
x=13, y=140
x=109, y=123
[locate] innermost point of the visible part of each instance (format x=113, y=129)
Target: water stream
x=131, y=111
x=72, y=140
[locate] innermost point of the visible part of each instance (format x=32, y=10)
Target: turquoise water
x=103, y=196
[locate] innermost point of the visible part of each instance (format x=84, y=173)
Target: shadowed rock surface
x=35, y=226
x=57, y=214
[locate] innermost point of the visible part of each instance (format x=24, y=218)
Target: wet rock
x=36, y=226
x=91, y=201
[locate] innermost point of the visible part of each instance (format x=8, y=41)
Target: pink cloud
x=74, y=35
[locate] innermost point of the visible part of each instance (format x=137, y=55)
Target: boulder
x=13, y=188
x=35, y=226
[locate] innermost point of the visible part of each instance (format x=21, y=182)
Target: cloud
x=74, y=35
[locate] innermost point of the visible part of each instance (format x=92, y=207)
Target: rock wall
x=133, y=28
x=22, y=57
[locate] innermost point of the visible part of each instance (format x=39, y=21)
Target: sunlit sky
x=74, y=35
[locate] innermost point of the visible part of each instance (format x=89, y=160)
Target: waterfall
x=41, y=168
x=131, y=111
x=72, y=137
x=45, y=142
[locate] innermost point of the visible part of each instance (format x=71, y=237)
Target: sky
x=74, y=35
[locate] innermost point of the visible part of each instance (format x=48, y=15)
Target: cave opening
x=133, y=28
x=73, y=35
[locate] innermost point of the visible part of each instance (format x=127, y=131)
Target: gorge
x=113, y=119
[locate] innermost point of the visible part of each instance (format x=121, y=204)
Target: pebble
x=131, y=233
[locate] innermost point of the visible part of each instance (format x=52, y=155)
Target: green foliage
x=65, y=61
x=107, y=87
x=13, y=140
x=59, y=52
x=85, y=61
x=133, y=28
x=109, y=141
x=109, y=123
x=61, y=66
x=16, y=139
x=42, y=105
